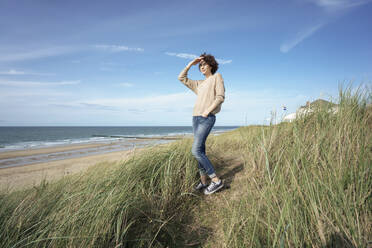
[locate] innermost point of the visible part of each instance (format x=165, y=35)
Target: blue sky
x=117, y=62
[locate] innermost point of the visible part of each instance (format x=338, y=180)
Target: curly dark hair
x=211, y=61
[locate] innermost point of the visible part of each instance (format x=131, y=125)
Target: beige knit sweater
x=210, y=91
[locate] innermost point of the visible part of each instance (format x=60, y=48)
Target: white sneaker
x=200, y=186
x=213, y=187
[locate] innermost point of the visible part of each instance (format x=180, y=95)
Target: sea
x=116, y=138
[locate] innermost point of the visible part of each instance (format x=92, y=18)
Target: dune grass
x=301, y=184
x=139, y=203
x=305, y=184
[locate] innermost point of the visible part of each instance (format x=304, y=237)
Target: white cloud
x=12, y=72
x=30, y=95
x=222, y=61
x=97, y=106
x=236, y=101
x=182, y=55
x=239, y=106
x=147, y=103
x=301, y=36
x=36, y=84
x=118, y=48
x=16, y=72
x=334, y=5
x=248, y=107
x=35, y=54
x=61, y=106
x=193, y=56
x=156, y=107
x=333, y=8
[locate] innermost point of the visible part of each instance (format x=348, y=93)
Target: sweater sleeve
x=220, y=89
x=191, y=84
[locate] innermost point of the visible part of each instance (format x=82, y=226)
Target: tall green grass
x=304, y=184
x=307, y=183
x=140, y=203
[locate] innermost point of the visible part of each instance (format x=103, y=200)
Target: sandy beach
x=28, y=175
x=30, y=152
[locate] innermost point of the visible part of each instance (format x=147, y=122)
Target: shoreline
x=25, y=157
x=44, y=150
x=62, y=147
x=29, y=175
x=14, y=178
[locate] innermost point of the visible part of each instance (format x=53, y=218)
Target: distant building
x=309, y=107
x=290, y=117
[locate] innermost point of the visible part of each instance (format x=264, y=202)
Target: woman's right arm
x=192, y=84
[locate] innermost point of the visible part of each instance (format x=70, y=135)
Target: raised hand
x=195, y=61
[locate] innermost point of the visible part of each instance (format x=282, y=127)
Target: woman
x=210, y=95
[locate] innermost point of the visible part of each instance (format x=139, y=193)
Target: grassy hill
x=320, y=103
x=300, y=184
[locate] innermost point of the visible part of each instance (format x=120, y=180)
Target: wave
x=47, y=144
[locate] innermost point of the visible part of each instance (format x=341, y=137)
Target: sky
x=116, y=63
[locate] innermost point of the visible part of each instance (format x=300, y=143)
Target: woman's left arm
x=220, y=95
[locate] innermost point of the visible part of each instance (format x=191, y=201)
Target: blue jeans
x=202, y=126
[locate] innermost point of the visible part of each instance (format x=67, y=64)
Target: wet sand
x=30, y=175
x=17, y=177
x=31, y=152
